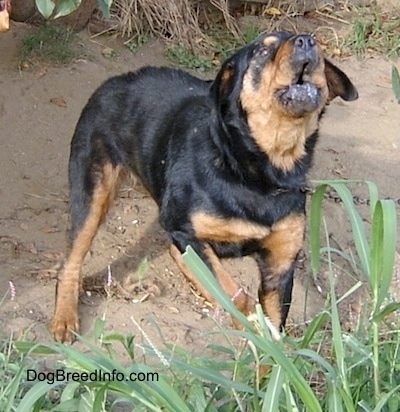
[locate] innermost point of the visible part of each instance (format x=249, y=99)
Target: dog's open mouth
x=300, y=97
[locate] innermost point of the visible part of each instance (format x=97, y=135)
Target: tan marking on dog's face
x=277, y=132
x=213, y=228
x=270, y=40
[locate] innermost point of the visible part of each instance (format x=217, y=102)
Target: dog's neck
x=281, y=138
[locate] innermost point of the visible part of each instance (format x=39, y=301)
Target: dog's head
x=280, y=84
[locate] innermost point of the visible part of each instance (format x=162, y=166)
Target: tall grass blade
x=373, y=195
x=34, y=394
x=337, y=343
x=316, y=325
x=358, y=229
x=396, y=83
x=315, y=227
x=273, y=394
x=207, y=279
x=383, y=250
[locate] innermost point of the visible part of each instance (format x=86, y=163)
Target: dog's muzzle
x=302, y=96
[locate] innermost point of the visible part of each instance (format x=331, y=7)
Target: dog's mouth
x=302, y=95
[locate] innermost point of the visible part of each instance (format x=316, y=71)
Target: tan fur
x=241, y=299
x=177, y=256
x=209, y=227
x=270, y=40
x=278, y=134
x=285, y=242
x=271, y=305
x=283, y=245
x=66, y=319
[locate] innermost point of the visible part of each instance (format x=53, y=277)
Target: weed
x=49, y=43
x=225, y=45
x=183, y=57
x=376, y=32
x=136, y=42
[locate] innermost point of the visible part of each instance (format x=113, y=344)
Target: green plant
x=55, y=9
x=13, y=366
x=374, y=31
x=134, y=43
x=376, y=255
x=396, y=83
x=183, y=57
x=225, y=44
x=50, y=43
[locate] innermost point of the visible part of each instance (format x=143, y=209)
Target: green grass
x=326, y=369
x=373, y=31
x=136, y=42
x=225, y=44
x=49, y=43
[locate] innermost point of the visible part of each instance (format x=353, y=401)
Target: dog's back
x=126, y=118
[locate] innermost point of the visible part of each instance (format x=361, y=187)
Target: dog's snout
x=305, y=51
x=304, y=43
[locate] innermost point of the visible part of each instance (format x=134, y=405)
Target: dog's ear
x=224, y=84
x=338, y=83
x=227, y=85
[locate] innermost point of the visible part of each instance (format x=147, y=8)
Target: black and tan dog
x=225, y=161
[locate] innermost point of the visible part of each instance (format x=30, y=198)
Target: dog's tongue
x=299, y=99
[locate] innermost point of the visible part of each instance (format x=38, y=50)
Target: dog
x=225, y=161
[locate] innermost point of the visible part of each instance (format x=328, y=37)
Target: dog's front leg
x=276, y=262
x=242, y=300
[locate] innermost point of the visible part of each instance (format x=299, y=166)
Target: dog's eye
x=262, y=51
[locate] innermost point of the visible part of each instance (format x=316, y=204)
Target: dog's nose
x=304, y=42
x=305, y=50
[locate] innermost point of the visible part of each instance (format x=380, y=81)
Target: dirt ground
x=39, y=108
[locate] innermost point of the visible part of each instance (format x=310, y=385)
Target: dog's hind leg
x=92, y=189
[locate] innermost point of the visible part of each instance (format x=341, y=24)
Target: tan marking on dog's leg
x=244, y=302
x=271, y=304
x=219, y=229
x=177, y=256
x=283, y=245
x=65, y=320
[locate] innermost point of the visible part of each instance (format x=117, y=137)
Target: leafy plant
x=55, y=9
x=50, y=43
x=183, y=57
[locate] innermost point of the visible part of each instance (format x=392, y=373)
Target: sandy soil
x=39, y=108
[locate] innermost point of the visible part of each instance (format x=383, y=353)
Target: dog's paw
x=63, y=327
